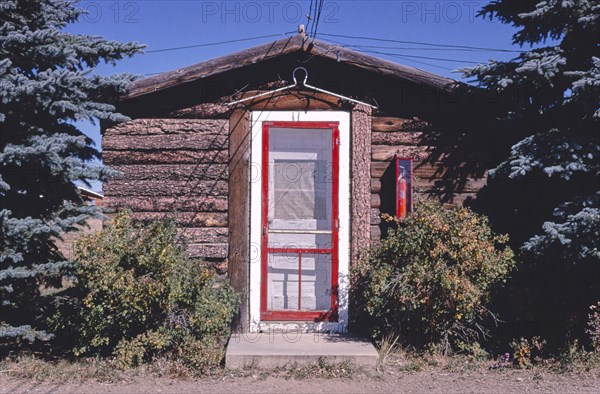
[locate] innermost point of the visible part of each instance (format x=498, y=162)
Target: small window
x=404, y=196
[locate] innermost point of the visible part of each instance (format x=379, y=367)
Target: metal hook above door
x=305, y=75
x=303, y=84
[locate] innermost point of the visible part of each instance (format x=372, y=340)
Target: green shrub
x=142, y=297
x=430, y=279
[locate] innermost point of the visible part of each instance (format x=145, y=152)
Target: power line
x=313, y=17
x=408, y=56
x=369, y=48
x=428, y=58
x=309, y=16
x=217, y=43
x=417, y=61
x=394, y=55
x=423, y=43
x=320, y=7
x=402, y=48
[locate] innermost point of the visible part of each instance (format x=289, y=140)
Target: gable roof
x=292, y=44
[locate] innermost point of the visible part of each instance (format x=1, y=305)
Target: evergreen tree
x=46, y=85
x=556, y=92
x=547, y=190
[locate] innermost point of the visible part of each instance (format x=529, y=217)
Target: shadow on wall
x=546, y=297
x=65, y=244
x=451, y=160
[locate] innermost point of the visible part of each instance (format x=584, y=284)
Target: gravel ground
x=507, y=381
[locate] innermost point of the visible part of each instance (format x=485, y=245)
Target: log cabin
x=278, y=162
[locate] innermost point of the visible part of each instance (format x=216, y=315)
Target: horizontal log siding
x=183, y=156
x=169, y=204
x=433, y=186
x=172, y=172
x=173, y=168
x=160, y=187
x=406, y=137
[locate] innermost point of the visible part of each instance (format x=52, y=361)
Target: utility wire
x=407, y=56
x=429, y=58
x=404, y=57
x=417, y=61
x=423, y=43
x=309, y=16
x=401, y=48
x=369, y=50
x=394, y=55
x=313, y=17
x=217, y=43
x=316, y=11
x=320, y=8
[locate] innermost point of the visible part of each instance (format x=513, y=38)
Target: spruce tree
x=555, y=92
x=46, y=85
x=545, y=192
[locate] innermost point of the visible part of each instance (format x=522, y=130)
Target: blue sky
x=162, y=24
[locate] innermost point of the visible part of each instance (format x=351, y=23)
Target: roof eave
x=283, y=47
x=214, y=66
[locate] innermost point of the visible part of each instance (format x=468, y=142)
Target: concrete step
x=280, y=348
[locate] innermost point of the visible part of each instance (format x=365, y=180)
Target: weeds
x=387, y=347
x=594, y=327
x=31, y=368
x=413, y=365
x=575, y=359
x=322, y=369
x=90, y=369
x=462, y=363
x=406, y=360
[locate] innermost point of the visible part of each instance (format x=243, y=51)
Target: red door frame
x=296, y=315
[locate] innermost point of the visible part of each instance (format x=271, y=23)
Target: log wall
x=174, y=167
x=182, y=167
x=440, y=171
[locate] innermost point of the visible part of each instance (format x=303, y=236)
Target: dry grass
x=323, y=369
x=393, y=360
x=89, y=369
x=108, y=371
x=33, y=368
x=392, y=357
x=388, y=347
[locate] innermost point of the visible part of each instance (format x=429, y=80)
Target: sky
x=164, y=24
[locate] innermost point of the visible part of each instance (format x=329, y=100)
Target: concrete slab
x=278, y=349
